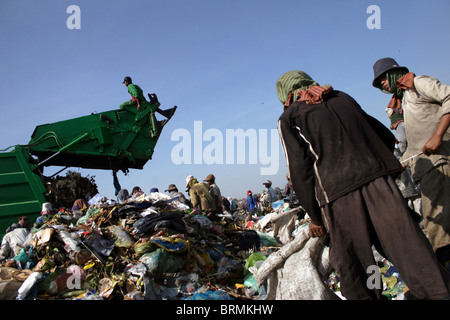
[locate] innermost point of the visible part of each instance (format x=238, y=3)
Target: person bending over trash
x=342, y=161
x=200, y=196
x=426, y=105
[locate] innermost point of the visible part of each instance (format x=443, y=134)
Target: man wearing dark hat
x=341, y=159
x=425, y=102
x=174, y=193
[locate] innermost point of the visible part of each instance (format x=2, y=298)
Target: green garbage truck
x=120, y=139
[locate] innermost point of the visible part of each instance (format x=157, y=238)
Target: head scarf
x=298, y=85
x=291, y=81
x=392, y=76
x=398, y=82
x=192, y=182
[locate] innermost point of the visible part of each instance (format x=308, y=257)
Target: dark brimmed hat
x=172, y=187
x=381, y=67
x=210, y=177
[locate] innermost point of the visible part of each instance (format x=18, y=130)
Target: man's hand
x=432, y=145
x=316, y=231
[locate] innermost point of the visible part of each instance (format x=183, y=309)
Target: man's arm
x=434, y=90
x=301, y=170
x=434, y=143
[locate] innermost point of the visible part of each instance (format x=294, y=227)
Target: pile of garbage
x=157, y=248
x=62, y=190
x=153, y=247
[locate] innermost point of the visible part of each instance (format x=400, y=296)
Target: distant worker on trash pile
x=215, y=193
x=174, y=193
x=252, y=203
x=80, y=204
x=136, y=192
x=46, y=213
x=23, y=222
x=425, y=102
x=323, y=129
x=271, y=193
x=123, y=196
x=200, y=196
x=13, y=242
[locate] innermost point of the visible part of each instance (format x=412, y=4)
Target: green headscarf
x=192, y=182
x=293, y=80
x=392, y=76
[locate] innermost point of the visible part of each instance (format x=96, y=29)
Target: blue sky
x=218, y=61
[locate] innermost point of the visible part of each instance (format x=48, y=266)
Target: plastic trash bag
x=28, y=285
x=71, y=240
x=92, y=211
x=266, y=239
x=160, y=261
x=153, y=222
x=203, y=221
x=252, y=259
x=22, y=256
x=249, y=239
x=297, y=271
x=170, y=244
x=250, y=283
x=210, y=295
x=123, y=240
x=142, y=247
x=225, y=266
x=277, y=204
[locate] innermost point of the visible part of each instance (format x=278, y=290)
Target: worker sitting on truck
x=137, y=95
x=138, y=100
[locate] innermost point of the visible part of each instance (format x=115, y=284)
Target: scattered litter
x=156, y=248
